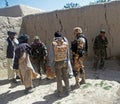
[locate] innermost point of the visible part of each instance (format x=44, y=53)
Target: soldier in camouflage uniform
x=39, y=55
x=79, y=49
x=58, y=57
x=99, y=47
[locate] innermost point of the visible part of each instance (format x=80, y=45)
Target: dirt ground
x=102, y=87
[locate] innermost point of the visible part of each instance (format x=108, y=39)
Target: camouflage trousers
x=99, y=58
x=78, y=70
x=61, y=73
x=39, y=65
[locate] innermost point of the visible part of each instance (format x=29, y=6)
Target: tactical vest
x=80, y=46
x=60, y=50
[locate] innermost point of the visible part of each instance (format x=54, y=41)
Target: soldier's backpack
x=60, y=50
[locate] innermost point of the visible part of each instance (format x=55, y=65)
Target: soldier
x=58, y=57
x=99, y=48
x=39, y=55
x=79, y=49
x=9, y=49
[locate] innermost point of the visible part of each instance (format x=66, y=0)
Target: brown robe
x=27, y=72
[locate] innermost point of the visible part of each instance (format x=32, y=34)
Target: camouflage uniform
x=79, y=49
x=58, y=58
x=99, y=47
x=39, y=54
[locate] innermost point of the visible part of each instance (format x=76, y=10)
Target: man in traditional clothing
x=9, y=49
x=58, y=60
x=79, y=49
x=22, y=62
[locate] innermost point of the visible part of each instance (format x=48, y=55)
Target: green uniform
x=39, y=52
x=99, y=47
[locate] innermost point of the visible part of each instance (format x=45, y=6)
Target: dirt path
x=102, y=87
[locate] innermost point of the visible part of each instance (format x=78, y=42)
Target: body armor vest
x=60, y=50
x=80, y=43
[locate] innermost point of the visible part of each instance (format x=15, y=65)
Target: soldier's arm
x=106, y=41
x=32, y=49
x=86, y=45
x=45, y=49
x=95, y=45
x=74, y=46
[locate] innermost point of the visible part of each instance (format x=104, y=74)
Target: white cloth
x=70, y=70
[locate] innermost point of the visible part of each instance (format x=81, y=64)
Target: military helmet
x=102, y=31
x=77, y=30
x=36, y=38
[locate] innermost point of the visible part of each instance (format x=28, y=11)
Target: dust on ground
x=102, y=87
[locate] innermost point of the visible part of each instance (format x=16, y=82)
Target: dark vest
x=74, y=44
x=10, y=49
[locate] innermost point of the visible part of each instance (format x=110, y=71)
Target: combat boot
x=83, y=79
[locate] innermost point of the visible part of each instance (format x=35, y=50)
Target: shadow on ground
x=110, y=72
x=10, y=96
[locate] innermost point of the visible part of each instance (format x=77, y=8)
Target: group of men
x=20, y=55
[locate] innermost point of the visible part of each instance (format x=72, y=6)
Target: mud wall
x=7, y=23
x=18, y=11
x=90, y=18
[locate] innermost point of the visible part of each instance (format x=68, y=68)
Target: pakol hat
x=23, y=38
x=11, y=33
